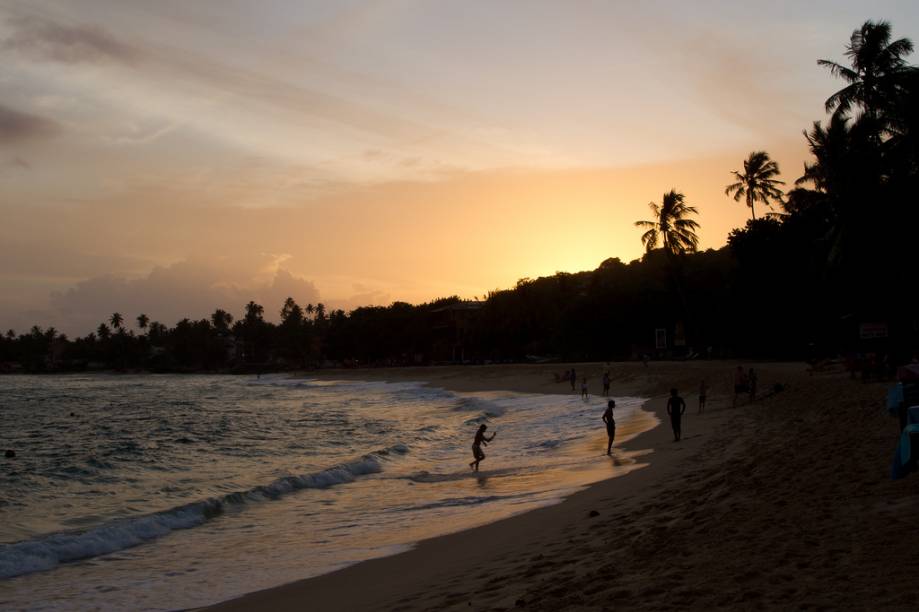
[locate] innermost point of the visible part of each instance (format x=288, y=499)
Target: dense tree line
x=834, y=253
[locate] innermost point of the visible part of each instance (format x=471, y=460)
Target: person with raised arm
x=477, y=444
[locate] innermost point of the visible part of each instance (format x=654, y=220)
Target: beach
x=783, y=502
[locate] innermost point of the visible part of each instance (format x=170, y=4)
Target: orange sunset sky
x=173, y=157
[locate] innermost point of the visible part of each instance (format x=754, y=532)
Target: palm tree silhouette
x=755, y=183
x=103, y=331
x=670, y=225
x=221, y=319
x=142, y=321
x=254, y=312
x=878, y=66
x=116, y=320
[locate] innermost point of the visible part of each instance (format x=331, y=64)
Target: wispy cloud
x=46, y=40
x=17, y=126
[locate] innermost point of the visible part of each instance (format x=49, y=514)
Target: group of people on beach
x=745, y=382
x=571, y=376
x=676, y=407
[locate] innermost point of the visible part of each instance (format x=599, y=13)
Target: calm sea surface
x=164, y=492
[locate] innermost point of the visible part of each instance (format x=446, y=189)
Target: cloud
x=191, y=288
x=45, y=40
x=16, y=163
x=17, y=126
x=363, y=296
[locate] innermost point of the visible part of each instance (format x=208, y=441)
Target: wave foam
x=46, y=552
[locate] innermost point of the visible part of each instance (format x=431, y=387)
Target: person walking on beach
x=606, y=384
x=675, y=408
x=584, y=394
x=574, y=378
x=610, y=425
x=477, y=444
x=703, y=392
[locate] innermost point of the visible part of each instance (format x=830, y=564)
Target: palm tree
x=878, y=66
x=670, y=225
x=142, y=321
x=103, y=331
x=254, y=312
x=157, y=332
x=116, y=320
x=291, y=311
x=221, y=319
x=755, y=183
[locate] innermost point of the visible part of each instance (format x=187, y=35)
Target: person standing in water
x=584, y=394
x=610, y=425
x=703, y=392
x=480, y=440
x=574, y=378
x=606, y=381
x=675, y=408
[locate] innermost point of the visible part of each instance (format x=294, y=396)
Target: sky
x=174, y=157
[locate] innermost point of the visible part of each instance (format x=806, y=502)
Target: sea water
x=164, y=492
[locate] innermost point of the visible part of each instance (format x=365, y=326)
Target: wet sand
x=785, y=502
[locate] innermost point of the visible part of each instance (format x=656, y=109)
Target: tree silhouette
x=254, y=312
x=103, y=331
x=291, y=312
x=878, y=66
x=755, y=183
x=671, y=226
x=221, y=319
x=142, y=321
x=116, y=320
x=157, y=333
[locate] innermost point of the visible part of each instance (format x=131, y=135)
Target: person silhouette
x=675, y=408
x=610, y=425
x=606, y=381
x=477, y=444
x=703, y=393
x=740, y=383
x=574, y=378
x=584, y=394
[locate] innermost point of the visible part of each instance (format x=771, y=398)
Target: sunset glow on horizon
x=174, y=157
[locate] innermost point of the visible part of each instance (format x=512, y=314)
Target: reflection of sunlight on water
x=547, y=446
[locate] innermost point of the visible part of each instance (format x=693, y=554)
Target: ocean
x=162, y=492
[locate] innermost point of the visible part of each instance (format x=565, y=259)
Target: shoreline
x=457, y=553
x=783, y=503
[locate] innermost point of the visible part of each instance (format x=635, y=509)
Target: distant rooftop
x=464, y=305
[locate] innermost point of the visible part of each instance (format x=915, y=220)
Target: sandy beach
x=785, y=502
